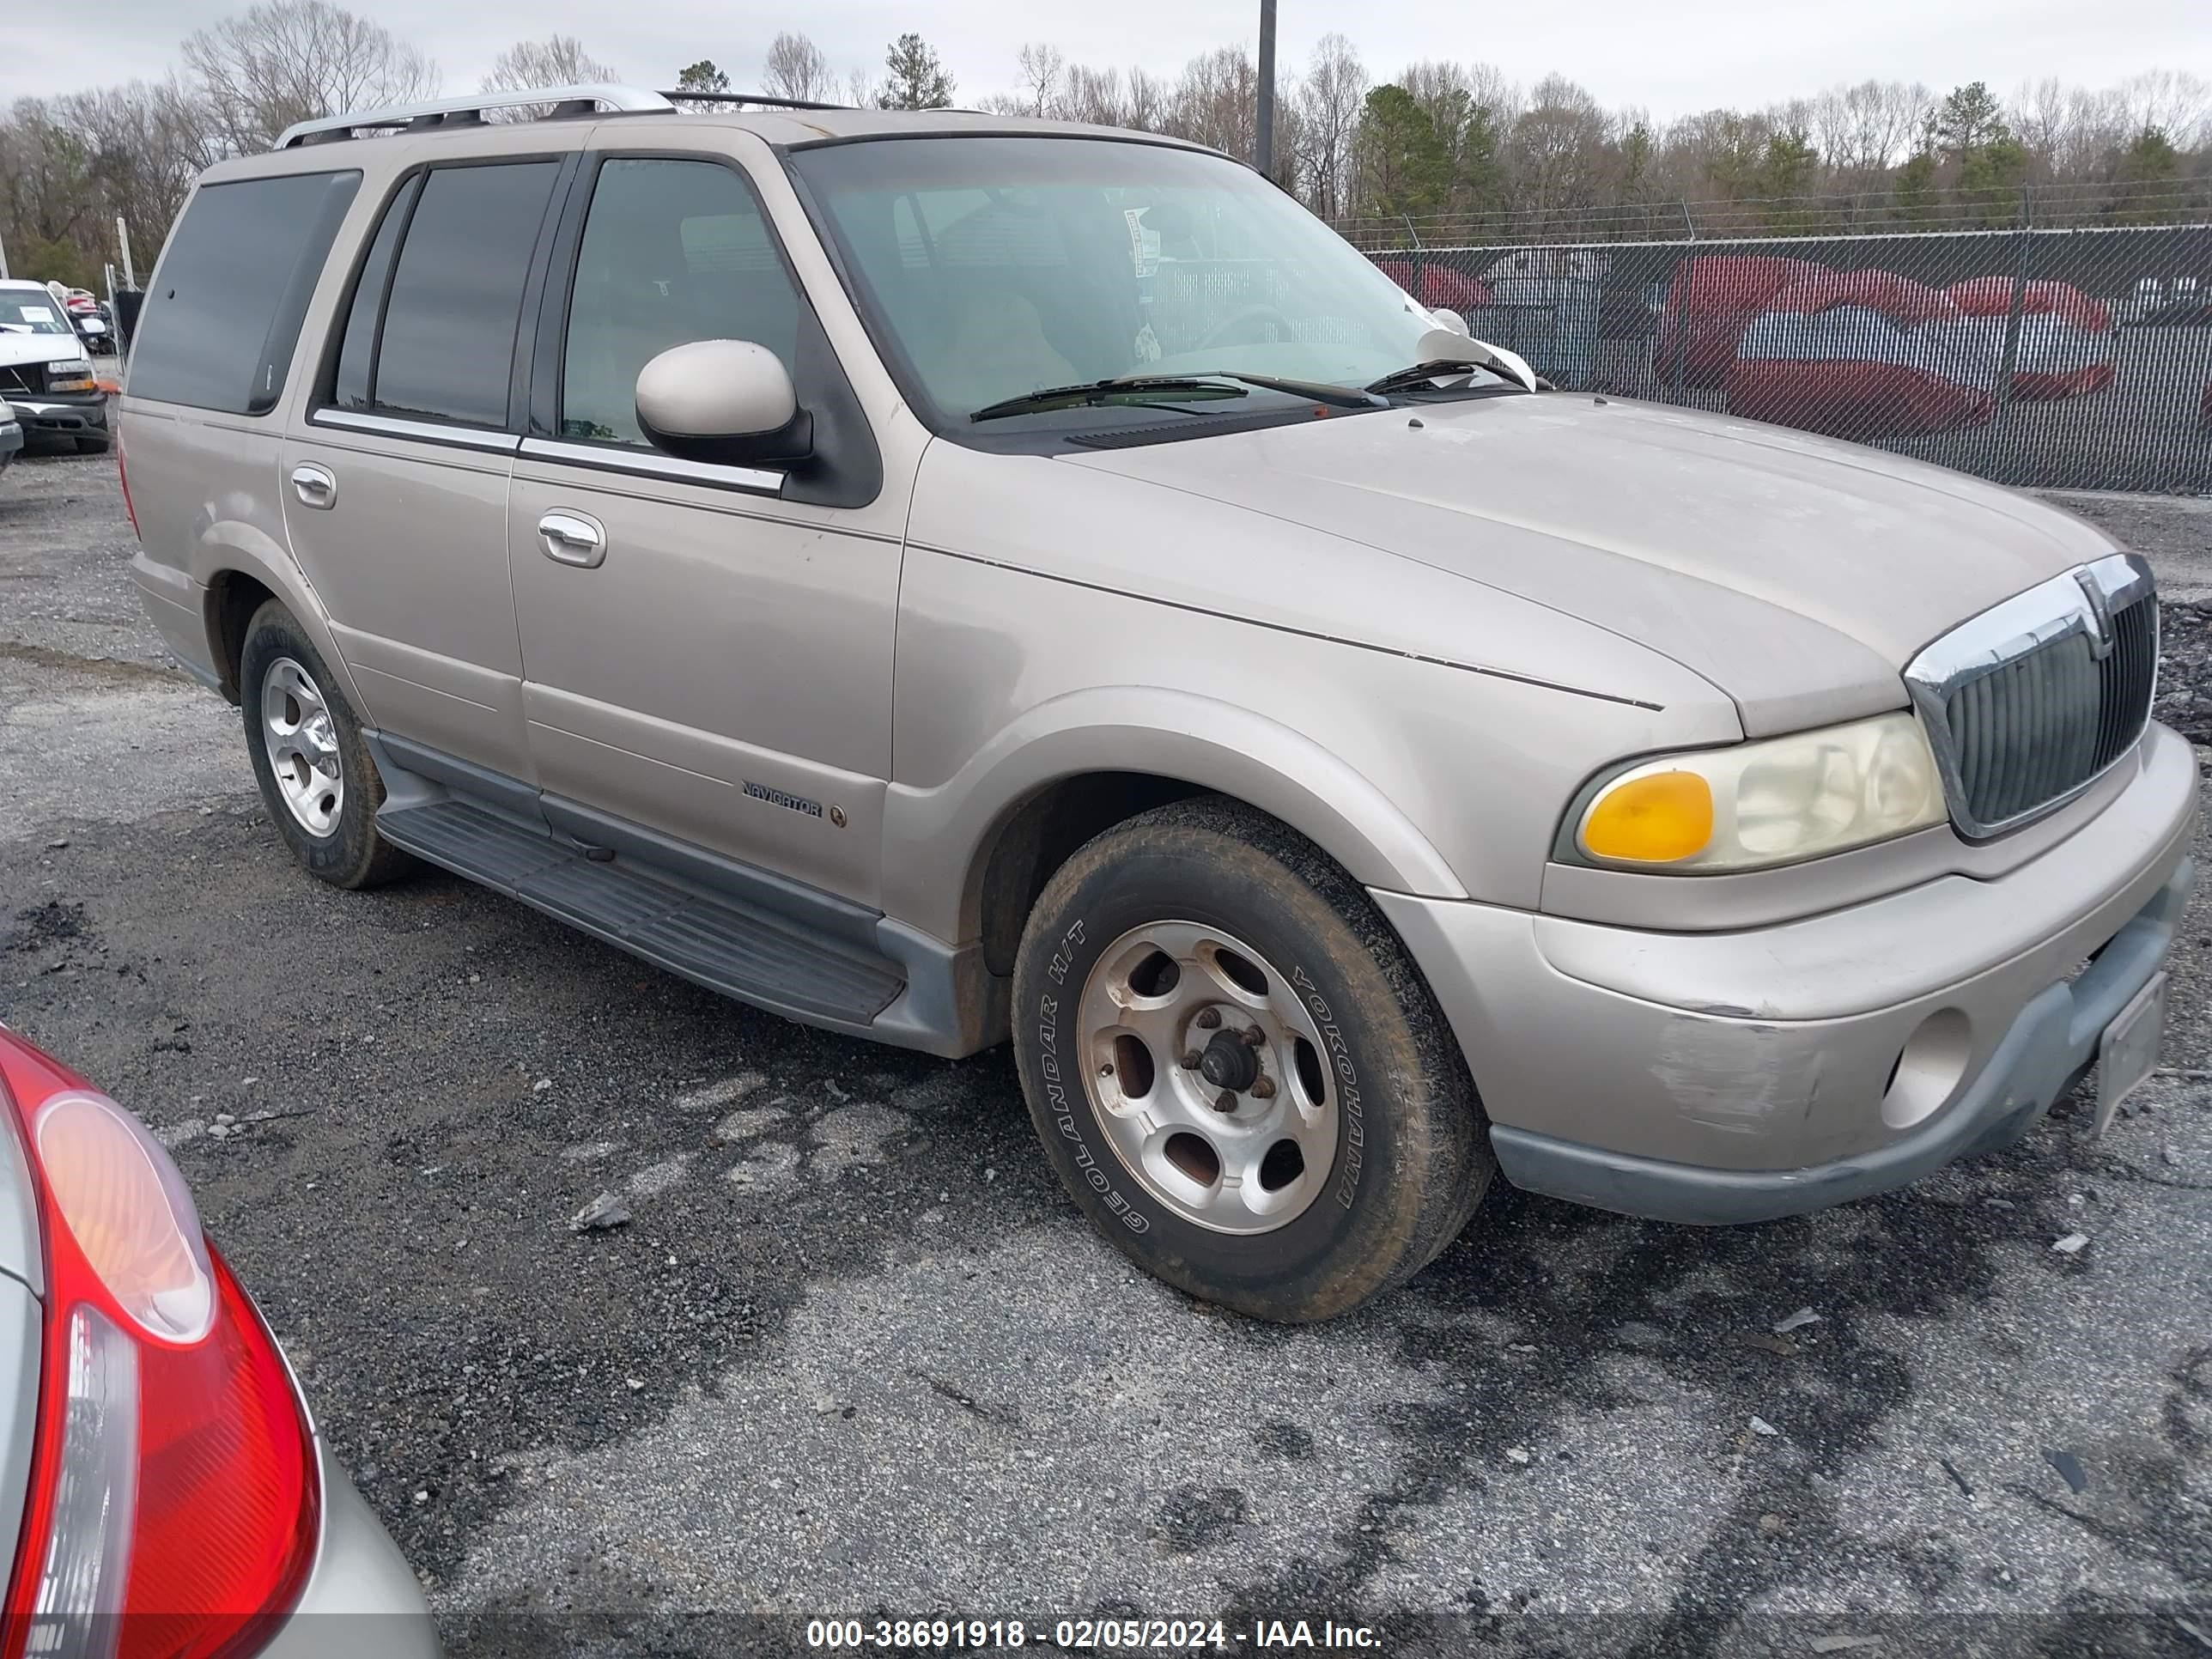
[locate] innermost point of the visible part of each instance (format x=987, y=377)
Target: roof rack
x=469, y=111
x=764, y=99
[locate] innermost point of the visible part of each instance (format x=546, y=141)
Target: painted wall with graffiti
x=2076, y=358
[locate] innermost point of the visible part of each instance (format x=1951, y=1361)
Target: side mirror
x=728, y=401
x=1450, y=319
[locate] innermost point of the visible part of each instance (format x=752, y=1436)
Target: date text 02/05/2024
x=1087, y=1635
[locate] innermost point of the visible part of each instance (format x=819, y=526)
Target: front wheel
x=309, y=757
x=1236, y=1070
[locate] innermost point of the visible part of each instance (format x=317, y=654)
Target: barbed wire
x=1887, y=213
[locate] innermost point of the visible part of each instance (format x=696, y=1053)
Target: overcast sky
x=1673, y=57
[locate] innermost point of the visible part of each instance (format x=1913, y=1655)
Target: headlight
x=1772, y=802
x=69, y=377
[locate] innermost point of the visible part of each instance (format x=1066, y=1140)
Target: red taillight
x=174, y=1504
x=122, y=473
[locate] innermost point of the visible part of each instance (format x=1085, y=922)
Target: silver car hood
x=1798, y=573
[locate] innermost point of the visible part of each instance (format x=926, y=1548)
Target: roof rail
x=764, y=99
x=468, y=110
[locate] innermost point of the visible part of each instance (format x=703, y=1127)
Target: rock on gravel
x=2184, y=669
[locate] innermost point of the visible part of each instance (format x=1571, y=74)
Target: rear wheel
x=313, y=766
x=1236, y=1070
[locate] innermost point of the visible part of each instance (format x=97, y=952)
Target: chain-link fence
x=2073, y=206
x=2076, y=358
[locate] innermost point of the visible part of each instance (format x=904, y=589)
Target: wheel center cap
x=1229, y=1063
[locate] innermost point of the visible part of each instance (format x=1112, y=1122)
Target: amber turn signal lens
x=1656, y=818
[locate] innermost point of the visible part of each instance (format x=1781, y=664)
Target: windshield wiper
x=1436, y=368
x=1207, y=383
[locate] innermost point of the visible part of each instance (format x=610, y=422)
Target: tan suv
x=947, y=578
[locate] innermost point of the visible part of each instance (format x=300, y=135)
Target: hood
x=1798, y=573
x=37, y=348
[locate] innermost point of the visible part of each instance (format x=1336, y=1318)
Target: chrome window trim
x=2081, y=600
x=647, y=464
x=427, y=431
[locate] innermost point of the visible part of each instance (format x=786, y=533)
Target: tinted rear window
x=358, y=349
x=448, y=341
x=219, y=327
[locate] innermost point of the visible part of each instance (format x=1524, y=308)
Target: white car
x=11, y=436
x=45, y=372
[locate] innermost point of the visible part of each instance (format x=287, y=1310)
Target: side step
x=723, y=944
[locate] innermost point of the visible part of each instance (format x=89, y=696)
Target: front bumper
x=11, y=441
x=361, y=1600
x=61, y=413
x=1732, y=1077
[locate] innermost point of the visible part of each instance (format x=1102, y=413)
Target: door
x=396, y=483
x=705, y=651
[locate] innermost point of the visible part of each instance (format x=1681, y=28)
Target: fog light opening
x=1928, y=1068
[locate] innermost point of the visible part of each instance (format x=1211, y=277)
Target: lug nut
x=1253, y=1036
x=1226, y=1101
x=1263, y=1089
x=1209, y=1017
x=1190, y=1059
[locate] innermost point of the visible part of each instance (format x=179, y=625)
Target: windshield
x=28, y=311
x=994, y=267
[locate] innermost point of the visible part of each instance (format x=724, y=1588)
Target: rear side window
x=358, y=351
x=219, y=328
x=447, y=346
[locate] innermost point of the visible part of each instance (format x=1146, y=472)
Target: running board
x=726, y=945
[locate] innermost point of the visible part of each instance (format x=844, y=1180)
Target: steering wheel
x=1268, y=312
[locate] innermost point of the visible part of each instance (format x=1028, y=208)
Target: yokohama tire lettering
x=1348, y=1096
x=1057, y=1103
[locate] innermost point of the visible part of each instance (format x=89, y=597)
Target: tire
x=1293, y=960
x=329, y=820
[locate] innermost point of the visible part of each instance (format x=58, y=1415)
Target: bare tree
x=1094, y=95
x=795, y=68
x=558, y=60
x=2174, y=102
x=1215, y=101
x=1329, y=99
x=282, y=61
x=1863, y=131
x=1146, y=107
x=1041, y=70
x=1557, y=148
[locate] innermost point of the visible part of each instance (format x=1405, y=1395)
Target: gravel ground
x=855, y=1354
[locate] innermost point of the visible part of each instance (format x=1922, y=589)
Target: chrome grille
x=2030, y=701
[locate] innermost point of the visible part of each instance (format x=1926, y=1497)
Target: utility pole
x=1264, y=149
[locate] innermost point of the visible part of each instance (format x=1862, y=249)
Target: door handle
x=315, y=485
x=572, y=538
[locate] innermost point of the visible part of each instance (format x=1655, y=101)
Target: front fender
x=934, y=837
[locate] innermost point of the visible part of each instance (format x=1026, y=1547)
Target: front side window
x=998, y=267
x=673, y=252
x=224, y=313
x=447, y=346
